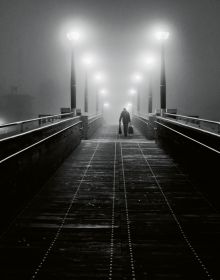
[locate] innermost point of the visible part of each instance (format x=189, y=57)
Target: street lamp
x=99, y=77
x=132, y=91
x=162, y=36
x=87, y=61
x=103, y=91
x=150, y=61
x=137, y=79
x=105, y=105
x=73, y=37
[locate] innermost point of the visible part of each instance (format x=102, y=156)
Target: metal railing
x=189, y=138
x=93, y=118
x=10, y=129
x=39, y=142
x=208, y=125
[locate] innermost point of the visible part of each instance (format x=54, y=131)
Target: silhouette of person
x=125, y=118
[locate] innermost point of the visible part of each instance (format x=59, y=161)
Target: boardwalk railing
x=201, y=132
x=28, y=158
x=172, y=129
x=91, y=124
x=145, y=124
x=14, y=128
x=212, y=126
x=191, y=142
x=196, y=148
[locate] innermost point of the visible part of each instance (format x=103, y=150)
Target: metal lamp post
x=150, y=62
x=73, y=37
x=150, y=96
x=86, y=93
x=163, y=79
x=162, y=36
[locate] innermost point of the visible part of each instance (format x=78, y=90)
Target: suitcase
x=130, y=129
x=119, y=129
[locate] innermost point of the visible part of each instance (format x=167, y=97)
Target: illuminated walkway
x=118, y=208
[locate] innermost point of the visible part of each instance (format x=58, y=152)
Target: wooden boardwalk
x=118, y=208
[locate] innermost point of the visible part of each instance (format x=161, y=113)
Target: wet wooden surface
x=118, y=208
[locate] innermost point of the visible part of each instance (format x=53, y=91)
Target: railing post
x=85, y=127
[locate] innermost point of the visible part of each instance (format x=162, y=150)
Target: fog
x=35, y=53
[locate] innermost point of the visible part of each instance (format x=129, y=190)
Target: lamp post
x=86, y=109
x=150, y=62
x=73, y=37
x=162, y=36
x=87, y=60
x=150, y=96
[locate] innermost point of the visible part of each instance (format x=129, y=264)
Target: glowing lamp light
x=88, y=60
x=132, y=91
x=103, y=91
x=99, y=77
x=162, y=35
x=150, y=60
x=137, y=77
x=73, y=36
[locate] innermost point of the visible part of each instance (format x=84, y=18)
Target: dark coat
x=125, y=117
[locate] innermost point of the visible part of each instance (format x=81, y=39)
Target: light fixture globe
x=99, y=77
x=137, y=77
x=103, y=92
x=88, y=60
x=162, y=35
x=132, y=91
x=73, y=36
x=150, y=60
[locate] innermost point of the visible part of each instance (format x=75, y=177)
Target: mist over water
x=35, y=54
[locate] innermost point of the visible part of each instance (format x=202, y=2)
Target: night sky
x=35, y=54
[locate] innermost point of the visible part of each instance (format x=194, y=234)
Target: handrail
x=192, y=118
x=35, y=119
x=200, y=143
x=39, y=142
x=93, y=119
x=188, y=126
x=142, y=120
x=93, y=116
x=35, y=129
x=147, y=122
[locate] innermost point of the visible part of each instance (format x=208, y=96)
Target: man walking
x=125, y=117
